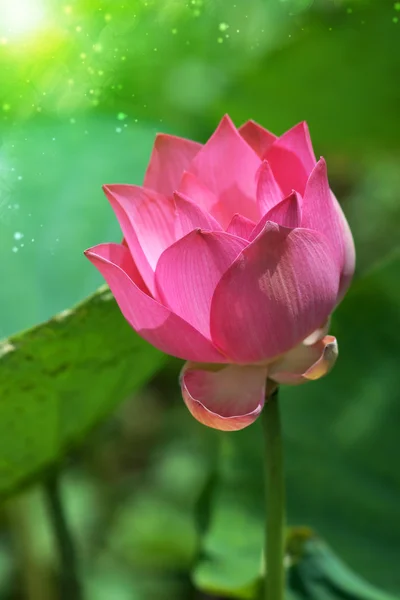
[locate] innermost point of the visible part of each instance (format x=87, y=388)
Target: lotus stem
x=274, y=588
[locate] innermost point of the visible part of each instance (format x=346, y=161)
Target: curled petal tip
x=306, y=362
x=326, y=361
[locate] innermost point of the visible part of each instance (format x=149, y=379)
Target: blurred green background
x=161, y=507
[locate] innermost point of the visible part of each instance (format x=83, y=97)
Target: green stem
x=70, y=586
x=275, y=500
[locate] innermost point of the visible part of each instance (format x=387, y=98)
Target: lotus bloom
x=235, y=254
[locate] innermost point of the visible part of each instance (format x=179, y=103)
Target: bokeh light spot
x=21, y=17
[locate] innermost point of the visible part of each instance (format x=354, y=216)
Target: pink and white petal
x=321, y=212
x=170, y=156
x=292, y=159
x=152, y=321
x=147, y=222
x=287, y=212
x=281, y=287
x=190, y=216
x=227, y=398
x=227, y=166
x=240, y=226
x=257, y=137
x=197, y=192
x=318, y=334
x=189, y=270
x=305, y=363
x=269, y=194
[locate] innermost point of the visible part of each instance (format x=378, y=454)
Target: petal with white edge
x=228, y=398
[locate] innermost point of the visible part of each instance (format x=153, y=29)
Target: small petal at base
x=226, y=398
x=305, y=362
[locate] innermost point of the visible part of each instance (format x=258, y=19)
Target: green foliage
x=338, y=434
x=233, y=542
x=157, y=529
x=314, y=572
x=318, y=574
x=62, y=377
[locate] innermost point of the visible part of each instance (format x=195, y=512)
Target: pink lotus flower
x=235, y=254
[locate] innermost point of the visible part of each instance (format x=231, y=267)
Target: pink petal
x=147, y=221
x=189, y=270
x=318, y=334
x=303, y=363
x=191, y=187
x=268, y=191
x=196, y=191
x=278, y=212
x=287, y=212
x=170, y=156
x=292, y=159
x=227, y=398
x=257, y=137
x=349, y=261
x=240, y=226
x=190, y=216
x=155, y=323
x=280, y=289
x=321, y=212
x=227, y=166
x=298, y=141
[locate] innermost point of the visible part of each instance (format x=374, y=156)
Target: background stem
x=70, y=587
x=36, y=577
x=275, y=501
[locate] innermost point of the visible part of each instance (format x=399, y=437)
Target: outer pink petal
x=155, y=323
x=228, y=399
x=268, y=191
x=257, y=137
x=280, y=289
x=227, y=165
x=287, y=212
x=190, y=216
x=170, y=156
x=349, y=262
x=322, y=212
x=292, y=159
x=189, y=270
x=240, y=226
x=147, y=221
x=305, y=362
